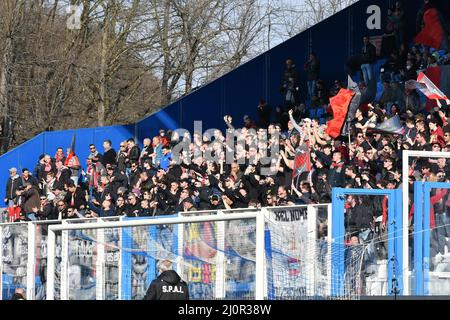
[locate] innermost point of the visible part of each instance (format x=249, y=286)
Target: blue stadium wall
x=236, y=93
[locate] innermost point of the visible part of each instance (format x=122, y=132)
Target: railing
x=23, y=258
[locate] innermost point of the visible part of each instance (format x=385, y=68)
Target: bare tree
x=127, y=58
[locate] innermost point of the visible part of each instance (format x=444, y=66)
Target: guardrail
x=23, y=258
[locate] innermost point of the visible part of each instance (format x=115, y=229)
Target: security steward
x=168, y=285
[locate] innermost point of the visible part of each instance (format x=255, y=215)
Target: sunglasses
x=60, y=205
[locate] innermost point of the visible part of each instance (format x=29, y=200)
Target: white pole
x=311, y=223
x=51, y=253
x=329, y=237
x=266, y=213
x=220, y=258
x=259, y=272
x=31, y=260
x=119, y=289
x=180, y=268
x=405, y=196
x=100, y=265
x=64, y=276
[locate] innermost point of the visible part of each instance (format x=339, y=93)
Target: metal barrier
x=23, y=258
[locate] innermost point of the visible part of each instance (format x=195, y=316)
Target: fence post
x=31, y=260
x=337, y=245
x=119, y=289
x=426, y=238
x=259, y=274
x=268, y=280
x=311, y=238
x=398, y=240
x=65, y=264
x=180, y=258
x=100, y=265
x=51, y=244
x=418, y=238
x=329, y=241
x=220, y=258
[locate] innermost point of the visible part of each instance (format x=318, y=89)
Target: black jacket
x=264, y=113
x=312, y=68
x=368, y=54
x=49, y=212
x=79, y=198
x=168, y=286
x=133, y=211
x=12, y=186
x=359, y=218
x=336, y=175
x=120, y=180
x=109, y=157
x=134, y=154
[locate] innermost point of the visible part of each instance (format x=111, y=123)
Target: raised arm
x=294, y=123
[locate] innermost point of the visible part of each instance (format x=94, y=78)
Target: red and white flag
x=428, y=88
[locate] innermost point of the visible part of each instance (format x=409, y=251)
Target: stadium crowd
x=147, y=182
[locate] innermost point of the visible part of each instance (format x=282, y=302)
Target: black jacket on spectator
x=120, y=180
x=204, y=194
x=43, y=173
x=171, y=199
x=368, y=54
x=312, y=69
x=79, y=199
x=134, y=155
x=174, y=173
x=12, y=185
x=133, y=211
x=30, y=179
x=252, y=185
x=109, y=157
x=100, y=196
x=290, y=79
x=120, y=211
x=134, y=176
x=49, y=212
x=63, y=179
x=264, y=113
x=168, y=286
x=220, y=206
x=121, y=163
x=336, y=176
x=359, y=218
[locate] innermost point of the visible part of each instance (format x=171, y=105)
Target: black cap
x=215, y=197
